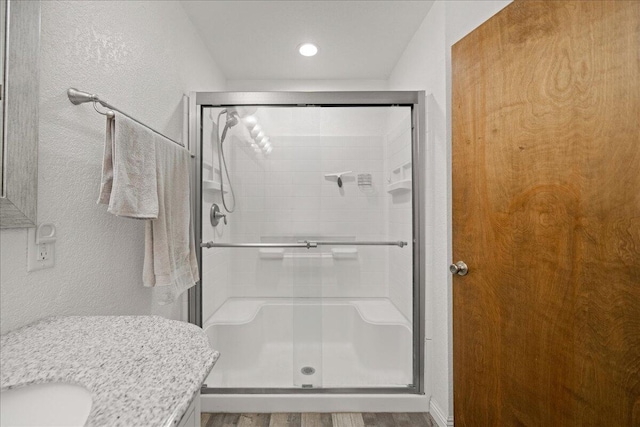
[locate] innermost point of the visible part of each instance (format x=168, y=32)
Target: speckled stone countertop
x=141, y=370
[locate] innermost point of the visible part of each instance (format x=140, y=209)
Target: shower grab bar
x=301, y=244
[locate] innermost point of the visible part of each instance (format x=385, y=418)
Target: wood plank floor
x=353, y=419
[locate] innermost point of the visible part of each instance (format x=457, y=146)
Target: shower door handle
x=212, y=244
x=399, y=243
x=459, y=268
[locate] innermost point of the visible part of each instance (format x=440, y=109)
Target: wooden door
x=546, y=214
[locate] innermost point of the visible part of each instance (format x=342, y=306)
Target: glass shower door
x=307, y=318
x=336, y=312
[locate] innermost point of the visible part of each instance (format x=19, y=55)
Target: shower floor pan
x=310, y=343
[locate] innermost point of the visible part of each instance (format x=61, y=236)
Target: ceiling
x=255, y=40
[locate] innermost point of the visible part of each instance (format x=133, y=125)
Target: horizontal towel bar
x=78, y=97
x=301, y=244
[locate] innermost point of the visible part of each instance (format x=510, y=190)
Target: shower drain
x=308, y=370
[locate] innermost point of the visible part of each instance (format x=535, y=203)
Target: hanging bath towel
x=170, y=262
x=146, y=176
x=129, y=183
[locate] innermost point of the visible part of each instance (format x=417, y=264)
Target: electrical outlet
x=43, y=252
x=39, y=255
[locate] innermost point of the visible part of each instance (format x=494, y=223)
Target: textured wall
x=140, y=56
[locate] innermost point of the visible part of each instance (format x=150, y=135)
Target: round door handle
x=459, y=268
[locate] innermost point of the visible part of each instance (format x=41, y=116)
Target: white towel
x=170, y=258
x=129, y=184
x=146, y=176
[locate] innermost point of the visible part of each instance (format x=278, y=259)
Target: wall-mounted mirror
x=3, y=26
x=20, y=50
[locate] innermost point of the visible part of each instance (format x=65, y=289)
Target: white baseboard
x=439, y=415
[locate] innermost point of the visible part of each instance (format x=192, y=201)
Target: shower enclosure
x=311, y=250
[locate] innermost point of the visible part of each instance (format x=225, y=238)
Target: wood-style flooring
x=353, y=419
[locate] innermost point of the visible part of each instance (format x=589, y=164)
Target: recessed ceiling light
x=307, y=49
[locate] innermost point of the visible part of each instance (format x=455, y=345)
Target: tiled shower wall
x=397, y=149
x=216, y=262
x=286, y=197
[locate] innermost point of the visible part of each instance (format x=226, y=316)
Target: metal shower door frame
x=414, y=99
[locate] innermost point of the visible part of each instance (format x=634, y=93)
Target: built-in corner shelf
x=400, y=179
x=213, y=186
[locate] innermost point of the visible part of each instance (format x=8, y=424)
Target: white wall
x=426, y=65
x=140, y=56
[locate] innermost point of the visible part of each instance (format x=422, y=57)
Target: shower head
x=233, y=117
x=241, y=112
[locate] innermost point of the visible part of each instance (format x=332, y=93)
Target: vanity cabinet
x=191, y=417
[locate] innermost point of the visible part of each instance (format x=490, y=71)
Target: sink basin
x=51, y=404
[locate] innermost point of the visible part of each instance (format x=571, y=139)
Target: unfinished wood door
x=546, y=214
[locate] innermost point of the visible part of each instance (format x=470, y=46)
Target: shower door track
x=414, y=99
x=320, y=390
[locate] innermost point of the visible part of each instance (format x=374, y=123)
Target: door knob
x=459, y=268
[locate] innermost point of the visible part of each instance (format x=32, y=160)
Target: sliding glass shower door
x=308, y=221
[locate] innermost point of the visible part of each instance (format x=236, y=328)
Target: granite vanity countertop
x=141, y=370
